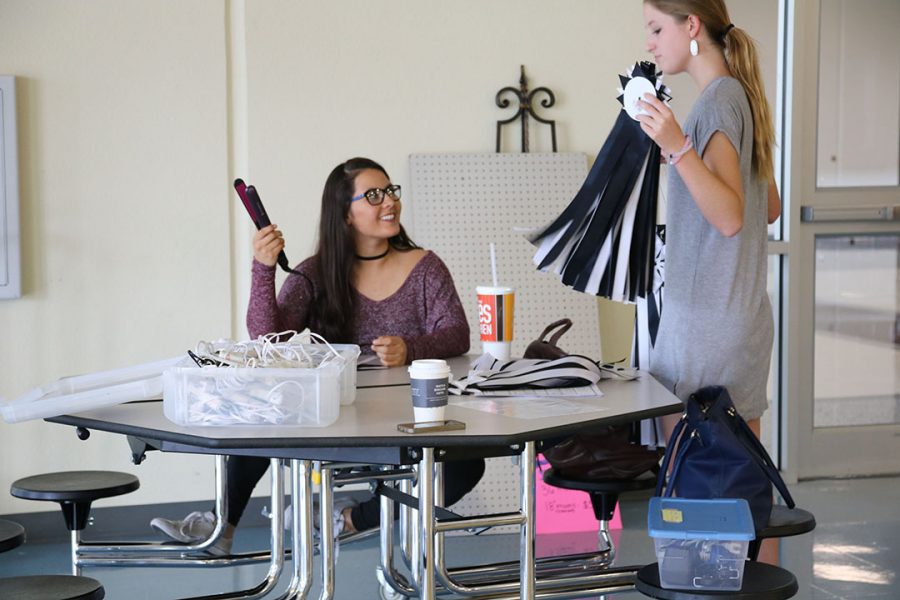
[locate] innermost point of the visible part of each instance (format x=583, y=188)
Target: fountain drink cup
x=495, y=319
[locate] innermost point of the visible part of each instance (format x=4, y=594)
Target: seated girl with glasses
x=367, y=284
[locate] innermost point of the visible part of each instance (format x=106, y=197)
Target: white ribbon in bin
x=262, y=382
x=86, y=392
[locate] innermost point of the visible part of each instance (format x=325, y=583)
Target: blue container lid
x=688, y=519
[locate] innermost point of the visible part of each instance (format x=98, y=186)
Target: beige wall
x=123, y=177
x=134, y=116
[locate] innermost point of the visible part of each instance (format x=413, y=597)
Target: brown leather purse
x=542, y=348
x=605, y=452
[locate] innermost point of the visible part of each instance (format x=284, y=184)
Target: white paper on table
x=527, y=408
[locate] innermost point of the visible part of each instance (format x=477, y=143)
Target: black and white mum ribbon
x=603, y=242
x=489, y=374
x=649, y=309
x=648, y=312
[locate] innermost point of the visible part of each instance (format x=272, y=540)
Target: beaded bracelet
x=675, y=157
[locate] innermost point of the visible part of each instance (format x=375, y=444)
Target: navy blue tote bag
x=718, y=456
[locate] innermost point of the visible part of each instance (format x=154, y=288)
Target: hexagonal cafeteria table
x=366, y=432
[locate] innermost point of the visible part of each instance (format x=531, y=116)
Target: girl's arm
x=714, y=180
x=265, y=313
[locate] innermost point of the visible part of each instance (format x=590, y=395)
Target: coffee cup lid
x=429, y=367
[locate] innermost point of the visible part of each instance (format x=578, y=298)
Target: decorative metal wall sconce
x=526, y=107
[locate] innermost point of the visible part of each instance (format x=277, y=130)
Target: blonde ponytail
x=743, y=61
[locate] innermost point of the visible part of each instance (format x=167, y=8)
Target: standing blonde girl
x=717, y=326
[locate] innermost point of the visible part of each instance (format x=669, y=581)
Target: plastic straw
x=494, y=262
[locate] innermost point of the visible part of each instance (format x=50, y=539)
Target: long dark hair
x=334, y=309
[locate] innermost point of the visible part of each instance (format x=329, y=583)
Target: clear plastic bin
x=700, y=544
x=290, y=397
x=350, y=352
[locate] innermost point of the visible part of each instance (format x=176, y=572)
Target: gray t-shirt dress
x=716, y=325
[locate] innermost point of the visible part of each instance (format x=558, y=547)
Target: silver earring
x=695, y=49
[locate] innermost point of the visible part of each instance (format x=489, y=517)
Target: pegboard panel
x=460, y=203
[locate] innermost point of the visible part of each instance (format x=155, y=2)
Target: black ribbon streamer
x=573, y=245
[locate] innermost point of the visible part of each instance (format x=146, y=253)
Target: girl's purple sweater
x=425, y=311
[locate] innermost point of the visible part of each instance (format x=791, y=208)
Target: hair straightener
x=250, y=198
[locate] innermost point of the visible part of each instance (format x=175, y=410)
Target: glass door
x=842, y=391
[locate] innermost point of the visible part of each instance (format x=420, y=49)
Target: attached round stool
x=42, y=587
x=74, y=491
x=12, y=535
x=604, y=495
x=783, y=522
x=761, y=582
x=51, y=587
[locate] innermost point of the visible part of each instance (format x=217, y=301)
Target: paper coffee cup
x=495, y=319
x=428, y=381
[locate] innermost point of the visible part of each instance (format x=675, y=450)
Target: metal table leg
x=276, y=562
x=527, y=529
x=526, y=578
x=326, y=532
x=388, y=577
x=556, y=577
x=155, y=553
x=301, y=531
x=413, y=531
x=423, y=572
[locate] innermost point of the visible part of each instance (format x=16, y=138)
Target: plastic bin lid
x=689, y=519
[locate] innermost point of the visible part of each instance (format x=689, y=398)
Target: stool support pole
x=75, y=536
x=606, y=538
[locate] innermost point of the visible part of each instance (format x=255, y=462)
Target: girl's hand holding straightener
x=267, y=243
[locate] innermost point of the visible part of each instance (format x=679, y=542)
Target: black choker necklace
x=376, y=257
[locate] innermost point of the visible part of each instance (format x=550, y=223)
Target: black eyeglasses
x=375, y=196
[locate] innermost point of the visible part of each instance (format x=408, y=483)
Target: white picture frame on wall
x=10, y=243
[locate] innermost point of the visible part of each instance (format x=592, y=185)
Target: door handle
x=816, y=214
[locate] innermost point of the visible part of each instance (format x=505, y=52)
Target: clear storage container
x=700, y=544
x=289, y=397
x=350, y=352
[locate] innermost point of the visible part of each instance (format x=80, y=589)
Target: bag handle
x=755, y=447
x=756, y=450
x=679, y=460
x=564, y=324
x=674, y=441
